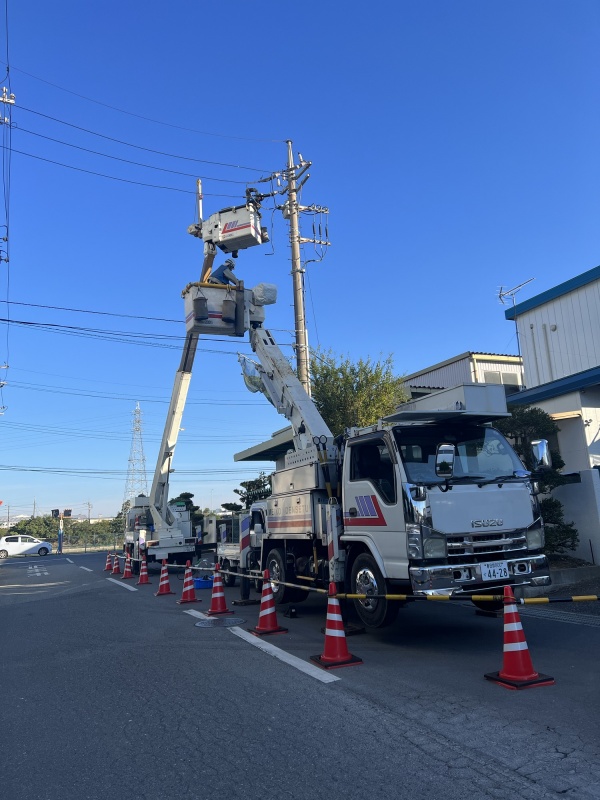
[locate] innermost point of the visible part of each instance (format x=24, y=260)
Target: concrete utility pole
x=302, y=361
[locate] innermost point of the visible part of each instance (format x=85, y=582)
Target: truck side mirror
x=444, y=460
x=258, y=528
x=540, y=452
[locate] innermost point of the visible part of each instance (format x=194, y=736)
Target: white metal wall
x=449, y=375
x=561, y=337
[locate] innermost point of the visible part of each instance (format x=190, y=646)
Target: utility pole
x=291, y=211
x=89, y=508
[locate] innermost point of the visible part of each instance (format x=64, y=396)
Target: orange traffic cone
x=127, y=573
x=517, y=670
x=336, y=652
x=164, y=587
x=217, y=600
x=108, y=566
x=189, y=594
x=267, y=617
x=143, y=573
x=116, y=570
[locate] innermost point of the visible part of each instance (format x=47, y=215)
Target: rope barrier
x=409, y=598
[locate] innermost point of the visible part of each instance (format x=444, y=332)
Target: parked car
x=23, y=546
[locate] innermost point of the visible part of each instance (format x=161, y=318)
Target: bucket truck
x=430, y=500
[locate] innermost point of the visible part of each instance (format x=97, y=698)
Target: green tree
x=234, y=507
x=524, y=426
x=258, y=489
x=349, y=393
x=195, y=514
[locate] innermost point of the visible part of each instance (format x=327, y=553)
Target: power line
x=114, y=178
x=128, y=161
x=141, y=147
x=147, y=119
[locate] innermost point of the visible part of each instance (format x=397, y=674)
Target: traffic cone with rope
x=108, y=566
x=164, y=587
x=336, y=653
x=267, y=617
x=127, y=573
x=517, y=669
x=143, y=573
x=116, y=570
x=189, y=593
x=217, y=600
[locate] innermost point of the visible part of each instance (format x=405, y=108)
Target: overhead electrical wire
x=6, y=169
x=150, y=119
x=128, y=161
x=141, y=147
x=122, y=180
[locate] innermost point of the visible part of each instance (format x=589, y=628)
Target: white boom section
x=160, y=485
x=291, y=400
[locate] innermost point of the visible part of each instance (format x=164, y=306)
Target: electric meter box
x=233, y=229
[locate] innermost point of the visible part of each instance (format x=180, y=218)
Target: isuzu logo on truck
x=486, y=523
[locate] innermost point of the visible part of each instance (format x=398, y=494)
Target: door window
x=371, y=461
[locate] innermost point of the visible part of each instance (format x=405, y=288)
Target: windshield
x=481, y=452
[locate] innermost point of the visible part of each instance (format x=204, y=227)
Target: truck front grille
x=475, y=547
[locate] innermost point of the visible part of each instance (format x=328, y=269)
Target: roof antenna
x=502, y=294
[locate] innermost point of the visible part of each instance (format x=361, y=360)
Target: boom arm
x=287, y=393
x=160, y=485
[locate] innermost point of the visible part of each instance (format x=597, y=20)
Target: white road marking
x=87, y=569
x=276, y=652
x=36, y=571
x=70, y=562
x=124, y=585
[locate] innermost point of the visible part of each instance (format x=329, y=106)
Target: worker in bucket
x=224, y=274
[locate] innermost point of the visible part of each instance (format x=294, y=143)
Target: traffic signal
x=67, y=512
x=55, y=513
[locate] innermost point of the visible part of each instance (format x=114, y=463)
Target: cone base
x=508, y=683
x=258, y=632
x=128, y=577
x=347, y=662
x=158, y=594
x=218, y=613
x=143, y=583
x=192, y=600
x=245, y=602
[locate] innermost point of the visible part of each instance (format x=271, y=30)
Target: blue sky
x=455, y=144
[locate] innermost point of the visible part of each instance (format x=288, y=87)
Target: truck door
x=372, y=511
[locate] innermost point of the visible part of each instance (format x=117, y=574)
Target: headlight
x=415, y=541
x=434, y=547
x=535, y=536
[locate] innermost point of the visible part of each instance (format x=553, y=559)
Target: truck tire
x=367, y=579
x=277, y=571
x=228, y=580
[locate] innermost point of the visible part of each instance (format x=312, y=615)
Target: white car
x=23, y=546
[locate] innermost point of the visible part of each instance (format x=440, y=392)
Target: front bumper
x=466, y=578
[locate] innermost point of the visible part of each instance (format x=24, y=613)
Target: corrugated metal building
x=559, y=335
x=468, y=368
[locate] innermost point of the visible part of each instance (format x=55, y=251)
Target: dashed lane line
x=87, y=569
x=123, y=585
x=275, y=652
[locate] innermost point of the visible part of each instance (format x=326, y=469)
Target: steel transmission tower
x=136, y=483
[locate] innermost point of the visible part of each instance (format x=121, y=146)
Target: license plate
x=494, y=571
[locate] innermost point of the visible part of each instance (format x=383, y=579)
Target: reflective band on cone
x=517, y=669
x=217, y=600
x=108, y=566
x=116, y=570
x=164, y=587
x=189, y=593
x=336, y=652
x=143, y=573
x=267, y=616
x=127, y=573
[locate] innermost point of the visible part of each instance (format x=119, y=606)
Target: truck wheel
x=228, y=580
x=367, y=579
x=482, y=605
x=277, y=571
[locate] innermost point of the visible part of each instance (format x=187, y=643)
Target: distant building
x=559, y=335
x=468, y=368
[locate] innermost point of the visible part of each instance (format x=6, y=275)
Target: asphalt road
x=109, y=691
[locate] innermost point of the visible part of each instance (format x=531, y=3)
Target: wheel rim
x=366, y=583
x=275, y=571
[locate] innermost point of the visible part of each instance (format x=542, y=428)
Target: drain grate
x=219, y=622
